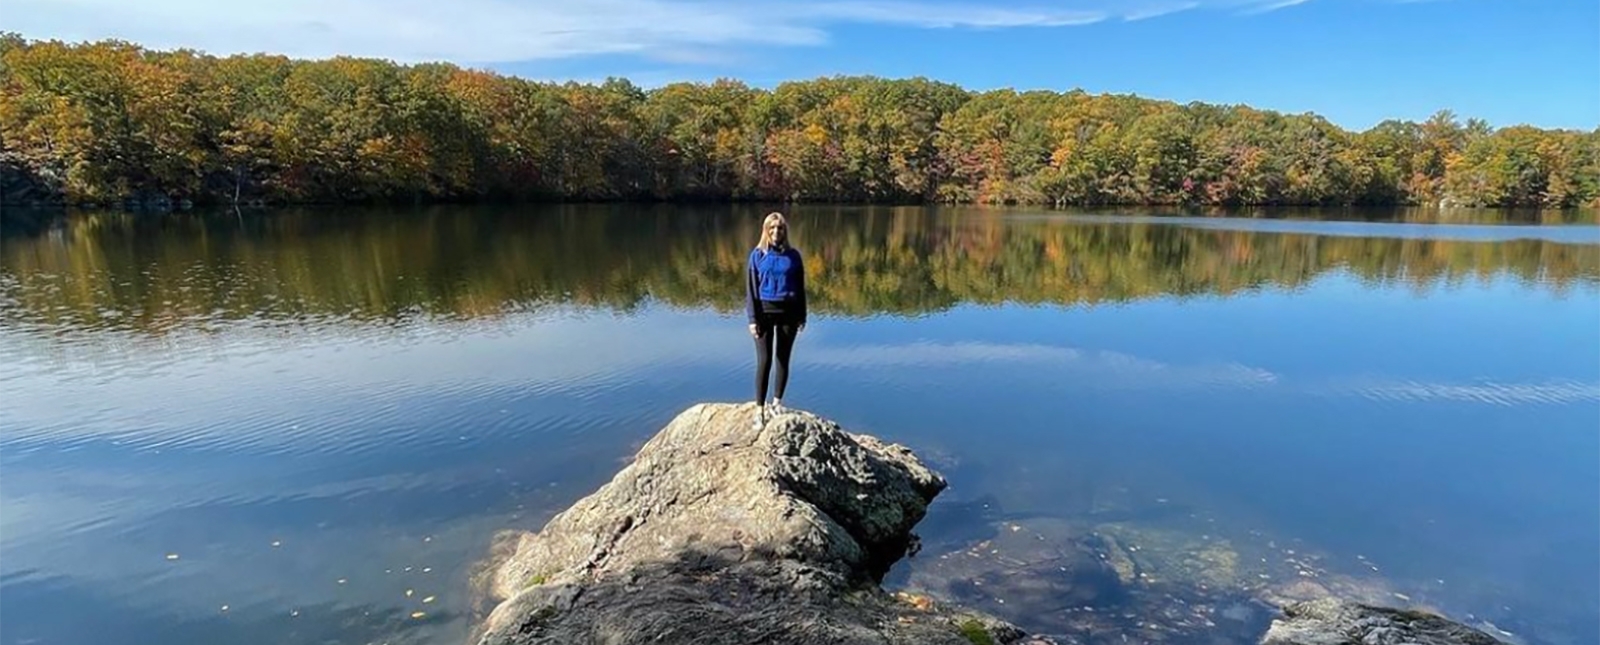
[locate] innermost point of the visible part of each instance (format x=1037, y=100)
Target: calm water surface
x=306, y=427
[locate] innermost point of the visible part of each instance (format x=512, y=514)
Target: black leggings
x=768, y=330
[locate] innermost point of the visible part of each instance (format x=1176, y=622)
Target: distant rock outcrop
x=18, y=187
x=718, y=533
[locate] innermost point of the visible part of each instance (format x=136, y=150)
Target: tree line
x=104, y=122
x=103, y=269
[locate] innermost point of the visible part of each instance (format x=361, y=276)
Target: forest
x=114, y=123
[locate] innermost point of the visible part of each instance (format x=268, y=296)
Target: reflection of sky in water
x=1412, y=429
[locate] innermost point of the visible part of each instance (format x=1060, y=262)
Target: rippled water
x=307, y=426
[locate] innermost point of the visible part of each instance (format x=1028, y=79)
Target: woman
x=775, y=302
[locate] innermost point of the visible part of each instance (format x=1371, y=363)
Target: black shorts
x=777, y=313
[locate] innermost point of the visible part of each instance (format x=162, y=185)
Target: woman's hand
x=755, y=331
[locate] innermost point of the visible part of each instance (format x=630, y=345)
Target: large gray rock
x=719, y=533
x=1332, y=621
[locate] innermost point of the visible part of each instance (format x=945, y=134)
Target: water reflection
x=121, y=271
x=292, y=400
x=321, y=484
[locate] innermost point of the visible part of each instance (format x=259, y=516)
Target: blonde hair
x=766, y=229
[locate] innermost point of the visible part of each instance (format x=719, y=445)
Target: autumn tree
x=110, y=121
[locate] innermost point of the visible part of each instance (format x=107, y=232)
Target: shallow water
x=270, y=427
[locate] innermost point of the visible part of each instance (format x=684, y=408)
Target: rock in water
x=1331, y=621
x=716, y=533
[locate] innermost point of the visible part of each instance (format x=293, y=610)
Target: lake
x=307, y=426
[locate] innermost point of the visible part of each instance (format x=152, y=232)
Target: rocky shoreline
x=715, y=533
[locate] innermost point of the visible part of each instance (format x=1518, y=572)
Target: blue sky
x=1356, y=62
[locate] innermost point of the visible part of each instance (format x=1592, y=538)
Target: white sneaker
x=777, y=407
x=760, y=419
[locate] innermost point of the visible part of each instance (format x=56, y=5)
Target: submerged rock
x=1157, y=555
x=1082, y=584
x=1332, y=621
x=1032, y=569
x=718, y=533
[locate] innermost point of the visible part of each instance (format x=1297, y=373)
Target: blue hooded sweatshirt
x=775, y=275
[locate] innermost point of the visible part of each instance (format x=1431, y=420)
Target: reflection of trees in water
x=157, y=272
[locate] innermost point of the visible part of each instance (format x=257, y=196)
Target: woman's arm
x=800, y=292
x=750, y=288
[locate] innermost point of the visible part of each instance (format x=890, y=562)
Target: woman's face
x=779, y=230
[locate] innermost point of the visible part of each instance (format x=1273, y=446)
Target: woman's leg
x=785, y=336
x=764, y=331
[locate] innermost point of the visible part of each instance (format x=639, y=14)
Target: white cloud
x=1273, y=5
x=1157, y=10
x=932, y=15
x=499, y=31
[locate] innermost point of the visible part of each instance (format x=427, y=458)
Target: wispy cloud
x=503, y=31
x=1272, y=5
x=934, y=15
x=1158, y=10
x=490, y=31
